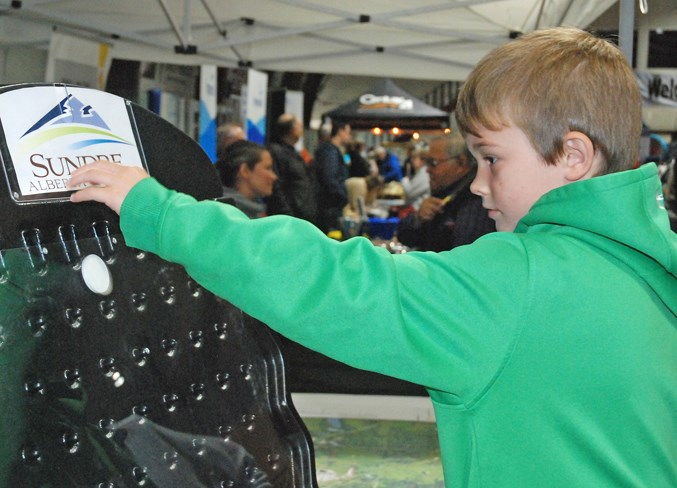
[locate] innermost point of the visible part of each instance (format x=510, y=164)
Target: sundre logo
x=64, y=139
x=51, y=130
x=69, y=118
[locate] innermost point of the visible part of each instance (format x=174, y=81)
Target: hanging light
x=643, y=6
x=416, y=136
x=395, y=131
x=376, y=131
x=447, y=130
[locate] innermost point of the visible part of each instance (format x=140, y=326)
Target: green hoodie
x=550, y=353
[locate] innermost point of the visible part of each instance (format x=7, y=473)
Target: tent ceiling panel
x=431, y=39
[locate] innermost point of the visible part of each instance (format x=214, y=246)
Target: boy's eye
x=490, y=159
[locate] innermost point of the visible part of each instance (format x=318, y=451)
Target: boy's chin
x=502, y=226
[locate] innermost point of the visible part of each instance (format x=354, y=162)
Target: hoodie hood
x=623, y=214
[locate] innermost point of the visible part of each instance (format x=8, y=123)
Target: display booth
x=116, y=368
x=385, y=105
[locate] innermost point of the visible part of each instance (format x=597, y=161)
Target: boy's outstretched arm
x=110, y=183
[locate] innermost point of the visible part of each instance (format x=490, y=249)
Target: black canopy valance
x=386, y=105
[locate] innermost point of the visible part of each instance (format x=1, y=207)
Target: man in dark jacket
x=332, y=172
x=296, y=191
x=452, y=216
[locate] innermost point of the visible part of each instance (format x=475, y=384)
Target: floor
x=360, y=453
x=372, y=441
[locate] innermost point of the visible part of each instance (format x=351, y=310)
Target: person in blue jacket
x=388, y=164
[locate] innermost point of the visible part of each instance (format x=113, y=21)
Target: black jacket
x=332, y=173
x=296, y=192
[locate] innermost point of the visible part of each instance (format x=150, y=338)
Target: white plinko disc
x=96, y=275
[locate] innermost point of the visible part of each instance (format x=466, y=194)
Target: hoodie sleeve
x=443, y=320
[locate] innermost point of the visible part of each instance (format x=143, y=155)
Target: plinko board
x=116, y=368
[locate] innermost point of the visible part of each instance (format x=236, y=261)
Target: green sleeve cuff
x=141, y=214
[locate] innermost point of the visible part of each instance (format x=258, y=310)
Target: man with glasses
x=452, y=216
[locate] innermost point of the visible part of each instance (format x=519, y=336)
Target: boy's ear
x=579, y=160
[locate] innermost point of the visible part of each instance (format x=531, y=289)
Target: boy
x=549, y=349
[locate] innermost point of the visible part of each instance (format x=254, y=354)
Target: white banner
x=208, y=110
x=256, y=106
x=658, y=89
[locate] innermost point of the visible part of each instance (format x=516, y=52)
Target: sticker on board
x=51, y=130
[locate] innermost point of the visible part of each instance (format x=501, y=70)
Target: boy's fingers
x=109, y=183
x=86, y=178
x=106, y=174
x=110, y=196
x=98, y=173
x=90, y=193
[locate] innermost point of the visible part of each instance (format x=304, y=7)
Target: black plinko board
x=116, y=368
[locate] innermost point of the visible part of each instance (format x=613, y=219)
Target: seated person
x=417, y=186
x=388, y=165
x=452, y=216
x=247, y=176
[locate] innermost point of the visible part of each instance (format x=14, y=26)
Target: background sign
x=658, y=88
x=255, y=108
x=208, y=110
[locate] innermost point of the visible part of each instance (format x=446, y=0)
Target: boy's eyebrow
x=481, y=144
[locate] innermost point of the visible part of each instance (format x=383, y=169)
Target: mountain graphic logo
x=77, y=124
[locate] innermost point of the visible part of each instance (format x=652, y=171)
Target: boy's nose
x=478, y=185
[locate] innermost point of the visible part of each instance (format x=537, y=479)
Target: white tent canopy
x=425, y=39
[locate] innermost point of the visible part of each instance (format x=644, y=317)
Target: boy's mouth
x=492, y=212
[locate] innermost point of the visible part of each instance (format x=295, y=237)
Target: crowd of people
x=438, y=210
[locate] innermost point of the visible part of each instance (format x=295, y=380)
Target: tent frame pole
x=172, y=22
x=626, y=26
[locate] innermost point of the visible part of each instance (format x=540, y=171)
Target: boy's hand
x=110, y=183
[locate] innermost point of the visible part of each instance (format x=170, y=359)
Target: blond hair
x=553, y=81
